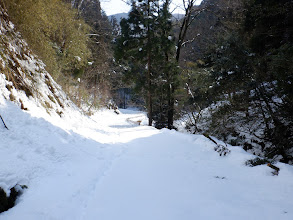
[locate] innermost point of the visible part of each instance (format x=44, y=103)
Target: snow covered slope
x=108, y=167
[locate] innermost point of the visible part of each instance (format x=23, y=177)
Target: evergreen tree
x=145, y=47
x=167, y=69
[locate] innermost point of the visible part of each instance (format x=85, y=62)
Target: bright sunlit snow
x=111, y=166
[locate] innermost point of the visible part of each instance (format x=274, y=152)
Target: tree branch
x=4, y=123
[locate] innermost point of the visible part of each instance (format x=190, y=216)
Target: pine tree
x=145, y=47
x=167, y=69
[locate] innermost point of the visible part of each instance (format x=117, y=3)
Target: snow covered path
x=107, y=167
x=174, y=176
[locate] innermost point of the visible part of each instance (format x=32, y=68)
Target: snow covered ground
x=108, y=167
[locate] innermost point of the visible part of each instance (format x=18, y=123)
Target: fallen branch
x=208, y=136
x=134, y=120
x=277, y=169
x=222, y=150
x=3, y=122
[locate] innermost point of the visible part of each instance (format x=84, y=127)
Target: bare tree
x=191, y=12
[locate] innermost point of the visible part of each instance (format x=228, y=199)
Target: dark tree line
x=248, y=75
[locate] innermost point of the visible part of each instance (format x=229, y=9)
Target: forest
x=224, y=69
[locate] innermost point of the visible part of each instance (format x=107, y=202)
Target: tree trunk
x=149, y=84
x=171, y=103
x=149, y=95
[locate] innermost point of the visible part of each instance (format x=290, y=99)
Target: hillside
x=118, y=16
x=23, y=76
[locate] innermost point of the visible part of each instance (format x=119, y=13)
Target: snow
x=11, y=25
x=77, y=58
x=107, y=167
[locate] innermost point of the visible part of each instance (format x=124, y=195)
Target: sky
x=112, y=7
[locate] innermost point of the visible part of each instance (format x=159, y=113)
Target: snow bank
x=106, y=167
